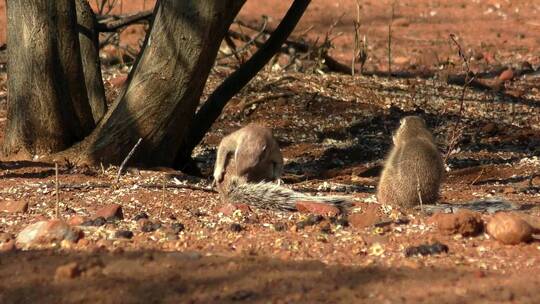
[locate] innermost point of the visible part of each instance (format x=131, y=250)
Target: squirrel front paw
x=218, y=176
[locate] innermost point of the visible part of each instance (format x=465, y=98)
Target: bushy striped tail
x=267, y=195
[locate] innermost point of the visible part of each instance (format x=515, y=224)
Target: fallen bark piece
x=426, y=249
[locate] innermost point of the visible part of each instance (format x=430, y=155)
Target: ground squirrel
x=247, y=161
x=255, y=152
x=414, y=169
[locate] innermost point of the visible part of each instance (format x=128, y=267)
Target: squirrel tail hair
x=267, y=195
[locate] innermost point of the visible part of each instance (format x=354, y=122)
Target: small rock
x=401, y=60
x=366, y=219
x=506, y=75
x=147, y=226
x=13, y=206
x=326, y=229
x=171, y=237
x=533, y=221
x=426, y=249
x=76, y=220
x=508, y=190
x=139, y=216
x=235, y=227
x=464, y=222
x=45, y=232
x=110, y=211
x=280, y=226
x=177, y=227
x=7, y=246
x=97, y=222
x=310, y=221
x=123, y=234
x=317, y=208
x=489, y=128
x=118, y=81
x=7, y=242
x=401, y=22
x=509, y=228
x=229, y=209
x=67, y=271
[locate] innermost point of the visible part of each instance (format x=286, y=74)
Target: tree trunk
x=165, y=85
x=40, y=115
x=212, y=108
x=71, y=71
x=89, y=43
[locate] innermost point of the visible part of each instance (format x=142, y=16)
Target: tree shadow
x=152, y=277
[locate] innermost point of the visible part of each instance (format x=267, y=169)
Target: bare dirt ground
x=334, y=131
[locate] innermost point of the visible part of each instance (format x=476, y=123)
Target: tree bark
x=212, y=108
x=40, y=116
x=164, y=86
x=89, y=43
x=70, y=66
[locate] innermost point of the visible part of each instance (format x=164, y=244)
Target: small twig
x=468, y=80
x=390, y=40
x=57, y=186
x=478, y=177
x=251, y=41
x=130, y=154
x=162, y=196
x=419, y=193
x=118, y=22
x=266, y=98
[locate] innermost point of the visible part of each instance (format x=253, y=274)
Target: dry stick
x=419, y=193
x=123, y=164
x=266, y=98
x=468, y=80
x=356, y=24
x=249, y=43
x=118, y=22
x=162, y=196
x=57, y=191
x=478, y=177
x=390, y=41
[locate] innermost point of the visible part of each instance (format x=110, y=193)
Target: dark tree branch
x=108, y=25
x=212, y=108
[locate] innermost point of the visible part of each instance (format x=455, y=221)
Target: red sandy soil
x=334, y=131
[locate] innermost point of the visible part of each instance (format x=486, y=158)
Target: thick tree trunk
x=41, y=117
x=212, y=108
x=164, y=86
x=69, y=57
x=88, y=40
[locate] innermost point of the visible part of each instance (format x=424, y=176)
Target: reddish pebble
x=67, y=271
x=76, y=220
x=366, y=219
x=118, y=81
x=13, y=206
x=110, y=211
x=229, y=209
x=464, y=222
x=506, y=75
x=317, y=208
x=509, y=228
